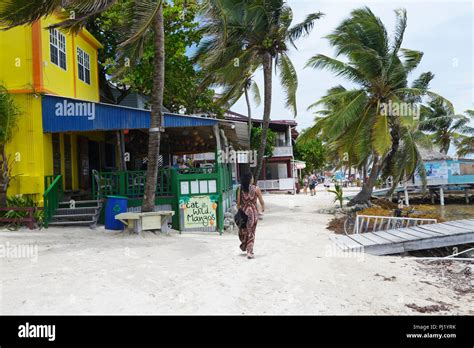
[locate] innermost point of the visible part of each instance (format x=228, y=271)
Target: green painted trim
x=222, y=174
x=52, y=197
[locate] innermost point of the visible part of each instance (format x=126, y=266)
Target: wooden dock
x=399, y=240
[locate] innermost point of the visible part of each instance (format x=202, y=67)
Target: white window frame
x=57, y=48
x=83, y=66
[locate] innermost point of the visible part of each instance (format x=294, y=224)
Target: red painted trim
x=74, y=52
x=278, y=159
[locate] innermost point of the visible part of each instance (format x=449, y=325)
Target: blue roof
x=62, y=114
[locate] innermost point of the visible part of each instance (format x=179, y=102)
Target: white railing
x=383, y=223
x=268, y=184
x=278, y=184
x=208, y=156
x=282, y=151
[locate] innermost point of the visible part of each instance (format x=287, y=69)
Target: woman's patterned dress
x=248, y=203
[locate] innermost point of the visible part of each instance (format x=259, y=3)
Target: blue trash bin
x=114, y=206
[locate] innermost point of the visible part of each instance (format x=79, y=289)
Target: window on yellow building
x=57, y=48
x=84, y=66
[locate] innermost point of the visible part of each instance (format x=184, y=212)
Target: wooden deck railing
x=372, y=223
x=29, y=219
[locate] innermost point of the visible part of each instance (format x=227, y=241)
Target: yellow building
x=35, y=61
x=66, y=135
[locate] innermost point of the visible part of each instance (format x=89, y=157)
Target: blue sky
x=443, y=30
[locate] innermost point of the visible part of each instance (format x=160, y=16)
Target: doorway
x=83, y=165
x=67, y=162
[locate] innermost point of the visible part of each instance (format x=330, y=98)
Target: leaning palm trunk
x=249, y=111
x=363, y=197
x=156, y=115
x=267, y=81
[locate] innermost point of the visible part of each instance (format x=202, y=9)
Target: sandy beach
x=296, y=270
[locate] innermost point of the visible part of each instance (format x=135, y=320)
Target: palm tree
x=145, y=19
x=465, y=146
x=443, y=125
x=379, y=67
x=465, y=143
x=250, y=84
x=242, y=36
x=232, y=93
x=8, y=119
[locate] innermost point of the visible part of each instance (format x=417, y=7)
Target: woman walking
x=305, y=184
x=247, y=200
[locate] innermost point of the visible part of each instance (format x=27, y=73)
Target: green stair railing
x=48, y=180
x=52, y=197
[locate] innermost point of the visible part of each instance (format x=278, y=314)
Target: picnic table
x=138, y=222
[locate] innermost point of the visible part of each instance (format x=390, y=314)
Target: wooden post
x=220, y=139
x=432, y=197
x=407, y=201
x=441, y=195
x=466, y=195
x=120, y=154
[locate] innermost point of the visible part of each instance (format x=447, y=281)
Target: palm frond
x=255, y=93
x=20, y=12
x=411, y=59
x=289, y=81
x=321, y=61
x=305, y=27
x=417, y=92
x=72, y=13
x=381, y=138
x=401, y=24
x=140, y=23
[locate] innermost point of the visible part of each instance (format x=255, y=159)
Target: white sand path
x=297, y=270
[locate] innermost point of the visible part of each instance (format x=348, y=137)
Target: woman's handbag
x=241, y=219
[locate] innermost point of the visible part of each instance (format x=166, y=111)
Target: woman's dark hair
x=245, y=181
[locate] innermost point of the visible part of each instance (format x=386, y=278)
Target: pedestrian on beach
x=327, y=182
x=247, y=196
x=313, y=182
x=305, y=184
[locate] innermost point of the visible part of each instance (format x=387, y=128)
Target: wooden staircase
x=77, y=213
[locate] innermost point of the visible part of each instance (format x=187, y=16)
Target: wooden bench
x=138, y=222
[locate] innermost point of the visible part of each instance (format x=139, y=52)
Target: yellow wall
x=16, y=58
x=27, y=148
x=66, y=82
x=48, y=149
x=83, y=90
x=26, y=67
x=55, y=79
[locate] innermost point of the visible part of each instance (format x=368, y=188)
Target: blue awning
x=68, y=115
